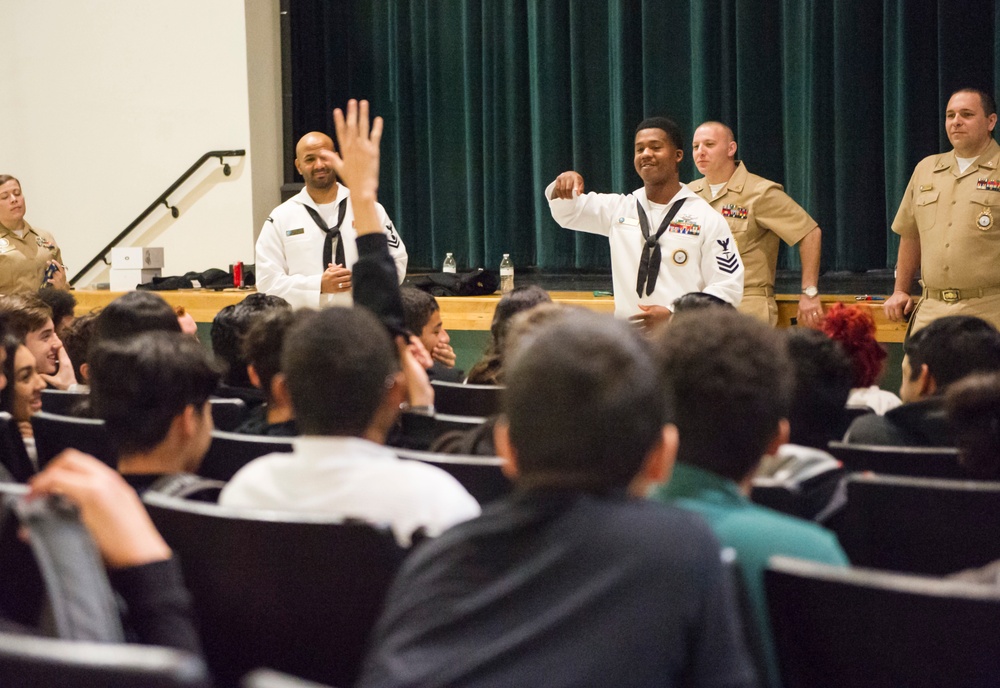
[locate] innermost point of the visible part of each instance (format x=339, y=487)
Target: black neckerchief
x=649, y=261
x=331, y=234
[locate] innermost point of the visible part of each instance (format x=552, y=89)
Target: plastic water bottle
x=449, y=264
x=506, y=275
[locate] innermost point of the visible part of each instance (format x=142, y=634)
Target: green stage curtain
x=486, y=101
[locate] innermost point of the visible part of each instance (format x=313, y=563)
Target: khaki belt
x=953, y=295
x=758, y=291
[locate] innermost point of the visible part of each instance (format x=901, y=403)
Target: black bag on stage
x=478, y=282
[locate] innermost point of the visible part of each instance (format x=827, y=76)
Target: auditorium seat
x=480, y=475
x=229, y=452
x=228, y=413
x=921, y=462
x=920, y=525
x=294, y=592
x=466, y=400
x=54, y=433
x=61, y=401
x=33, y=662
x=837, y=627
x=267, y=678
x=14, y=456
x=446, y=422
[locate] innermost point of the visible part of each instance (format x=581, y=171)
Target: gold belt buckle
x=951, y=295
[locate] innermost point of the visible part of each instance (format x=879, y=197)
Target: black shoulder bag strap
x=649, y=261
x=331, y=234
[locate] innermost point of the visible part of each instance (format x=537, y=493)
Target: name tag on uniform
x=734, y=211
x=293, y=232
x=988, y=184
x=628, y=221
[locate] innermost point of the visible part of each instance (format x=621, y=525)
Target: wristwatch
x=811, y=292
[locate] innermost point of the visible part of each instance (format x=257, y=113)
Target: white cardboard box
x=136, y=257
x=125, y=280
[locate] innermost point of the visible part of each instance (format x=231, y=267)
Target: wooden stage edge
x=472, y=312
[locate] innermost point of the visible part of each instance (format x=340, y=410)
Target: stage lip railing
x=102, y=255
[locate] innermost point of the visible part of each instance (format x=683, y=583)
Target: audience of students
x=574, y=579
x=936, y=356
x=854, y=327
x=729, y=379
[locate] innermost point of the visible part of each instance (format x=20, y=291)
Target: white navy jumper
x=698, y=252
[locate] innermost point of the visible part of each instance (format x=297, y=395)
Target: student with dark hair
x=729, y=378
x=822, y=379
x=942, y=353
x=30, y=320
x=489, y=369
x=63, y=305
x=973, y=409
x=132, y=314
x=230, y=326
x=262, y=351
x=422, y=316
x=152, y=392
x=22, y=396
x=574, y=579
x=76, y=340
x=698, y=299
x=343, y=374
x=665, y=240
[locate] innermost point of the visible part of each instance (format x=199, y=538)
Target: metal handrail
x=102, y=255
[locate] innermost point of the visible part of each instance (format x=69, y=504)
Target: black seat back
x=229, y=452
x=13, y=454
x=920, y=525
x=293, y=592
x=228, y=412
x=32, y=662
x=481, y=476
x=61, y=401
x=460, y=399
x=920, y=462
x=53, y=433
x=836, y=627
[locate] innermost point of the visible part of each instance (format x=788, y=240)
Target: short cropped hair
x=669, y=126
x=230, y=326
x=131, y=314
x=62, y=302
x=729, y=379
x=418, y=306
x=989, y=105
x=339, y=364
x=583, y=402
x=694, y=300
x=25, y=313
x=953, y=347
x=823, y=381
x=263, y=343
x=138, y=385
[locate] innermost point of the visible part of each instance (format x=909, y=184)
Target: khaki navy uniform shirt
x=956, y=216
x=22, y=260
x=760, y=215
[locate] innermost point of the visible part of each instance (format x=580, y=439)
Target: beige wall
x=107, y=102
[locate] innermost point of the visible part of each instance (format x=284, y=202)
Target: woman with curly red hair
x=854, y=328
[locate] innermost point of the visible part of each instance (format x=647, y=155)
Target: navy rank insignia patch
x=727, y=260
x=988, y=184
x=393, y=238
x=734, y=211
